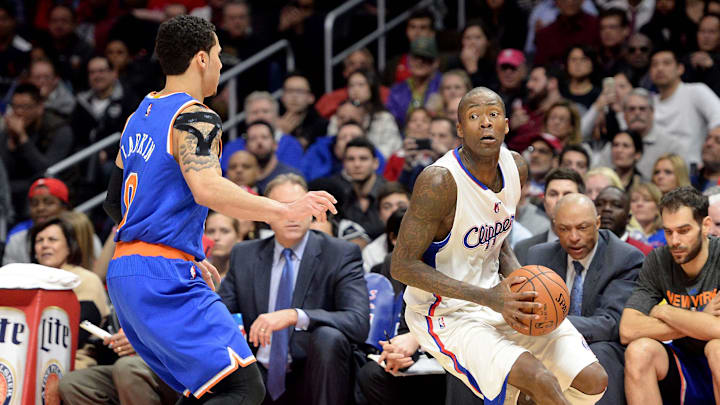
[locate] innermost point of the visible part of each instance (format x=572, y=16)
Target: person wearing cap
x=421, y=23
x=542, y=154
x=424, y=80
x=47, y=198
x=511, y=71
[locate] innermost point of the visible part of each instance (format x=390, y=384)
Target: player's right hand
x=315, y=203
x=713, y=307
x=516, y=307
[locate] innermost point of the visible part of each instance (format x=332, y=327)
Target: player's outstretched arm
x=196, y=138
x=635, y=325
x=433, y=201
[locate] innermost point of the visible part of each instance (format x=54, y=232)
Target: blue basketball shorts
x=689, y=379
x=175, y=322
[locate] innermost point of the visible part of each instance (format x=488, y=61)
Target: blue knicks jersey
x=157, y=204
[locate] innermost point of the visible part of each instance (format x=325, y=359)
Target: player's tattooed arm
x=508, y=260
x=197, y=133
x=433, y=200
x=522, y=166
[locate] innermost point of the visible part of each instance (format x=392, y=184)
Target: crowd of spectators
x=615, y=99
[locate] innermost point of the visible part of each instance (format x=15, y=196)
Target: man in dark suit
x=558, y=183
x=303, y=301
x=600, y=271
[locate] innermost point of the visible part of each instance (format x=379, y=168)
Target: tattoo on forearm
x=433, y=200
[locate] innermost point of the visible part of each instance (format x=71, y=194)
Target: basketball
x=552, y=294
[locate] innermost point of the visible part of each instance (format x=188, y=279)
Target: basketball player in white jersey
x=450, y=251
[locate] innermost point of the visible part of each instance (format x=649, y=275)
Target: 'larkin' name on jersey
x=487, y=234
x=141, y=144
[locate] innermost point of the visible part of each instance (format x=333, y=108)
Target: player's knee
x=712, y=352
x=592, y=380
x=639, y=355
x=542, y=380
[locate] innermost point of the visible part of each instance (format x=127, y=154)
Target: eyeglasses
x=641, y=49
x=506, y=66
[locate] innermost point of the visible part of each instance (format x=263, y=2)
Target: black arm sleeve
x=114, y=192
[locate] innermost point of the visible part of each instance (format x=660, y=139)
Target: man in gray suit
x=303, y=301
x=600, y=271
x=558, y=183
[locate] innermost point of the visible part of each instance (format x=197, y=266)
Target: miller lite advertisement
x=38, y=337
x=14, y=334
x=53, y=354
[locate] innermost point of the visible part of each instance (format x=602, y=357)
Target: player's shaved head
x=475, y=97
x=576, y=202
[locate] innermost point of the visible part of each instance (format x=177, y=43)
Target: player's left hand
x=262, y=329
x=209, y=273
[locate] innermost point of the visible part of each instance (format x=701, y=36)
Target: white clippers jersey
x=483, y=220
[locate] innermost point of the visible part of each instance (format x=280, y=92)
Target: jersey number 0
x=129, y=192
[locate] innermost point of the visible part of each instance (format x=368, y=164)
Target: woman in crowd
x=55, y=245
x=413, y=153
x=581, y=68
x=477, y=56
x=599, y=178
x=646, y=223
x=364, y=90
x=563, y=122
x=455, y=83
x=88, y=242
x=670, y=172
x=607, y=110
x=626, y=150
x=225, y=232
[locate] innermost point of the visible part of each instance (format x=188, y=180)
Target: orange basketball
x=552, y=294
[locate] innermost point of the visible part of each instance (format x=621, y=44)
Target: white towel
x=26, y=276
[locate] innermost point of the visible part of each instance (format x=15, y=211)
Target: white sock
x=576, y=397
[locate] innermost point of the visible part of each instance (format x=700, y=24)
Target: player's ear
x=459, y=130
x=203, y=58
x=706, y=225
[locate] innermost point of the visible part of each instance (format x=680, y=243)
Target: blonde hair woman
x=599, y=178
x=646, y=223
x=670, y=172
x=455, y=83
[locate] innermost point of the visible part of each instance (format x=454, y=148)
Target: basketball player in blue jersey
x=167, y=173
x=452, y=248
